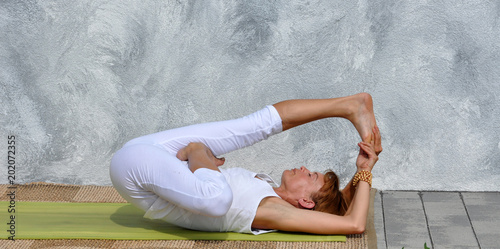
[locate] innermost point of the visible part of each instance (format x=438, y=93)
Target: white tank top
x=248, y=192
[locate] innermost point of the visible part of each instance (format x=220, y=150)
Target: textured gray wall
x=79, y=79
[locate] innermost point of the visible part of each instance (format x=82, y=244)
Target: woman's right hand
x=368, y=152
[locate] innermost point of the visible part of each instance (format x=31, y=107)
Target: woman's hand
x=198, y=156
x=378, y=140
x=192, y=148
x=368, y=152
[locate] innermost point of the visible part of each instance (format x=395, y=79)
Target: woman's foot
x=362, y=116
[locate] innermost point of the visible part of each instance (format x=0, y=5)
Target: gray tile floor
x=441, y=219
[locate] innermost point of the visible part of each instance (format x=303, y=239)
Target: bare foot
x=362, y=116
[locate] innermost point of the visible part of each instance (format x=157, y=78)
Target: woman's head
x=329, y=198
x=312, y=190
x=298, y=185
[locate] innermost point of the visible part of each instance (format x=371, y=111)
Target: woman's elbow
x=359, y=229
x=357, y=226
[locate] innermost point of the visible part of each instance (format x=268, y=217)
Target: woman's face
x=301, y=182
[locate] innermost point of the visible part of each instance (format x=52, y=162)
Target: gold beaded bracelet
x=363, y=175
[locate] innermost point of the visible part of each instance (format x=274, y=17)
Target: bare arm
x=362, y=164
x=348, y=193
x=274, y=213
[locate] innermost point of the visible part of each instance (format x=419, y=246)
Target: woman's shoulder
x=273, y=201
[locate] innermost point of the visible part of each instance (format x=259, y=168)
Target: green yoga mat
x=116, y=221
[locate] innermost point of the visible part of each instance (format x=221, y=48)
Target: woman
x=174, y=175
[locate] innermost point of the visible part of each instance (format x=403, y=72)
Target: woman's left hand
x=192, y=148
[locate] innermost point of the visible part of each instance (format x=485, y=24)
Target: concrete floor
x=441, y=219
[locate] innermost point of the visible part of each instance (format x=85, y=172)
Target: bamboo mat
x=106, y=194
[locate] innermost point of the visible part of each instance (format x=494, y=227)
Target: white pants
x=146, y=168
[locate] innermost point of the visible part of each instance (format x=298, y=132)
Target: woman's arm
x=275, y=213
x=348, y=194
x=362, y=164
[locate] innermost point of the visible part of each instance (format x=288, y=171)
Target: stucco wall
x=79, y=80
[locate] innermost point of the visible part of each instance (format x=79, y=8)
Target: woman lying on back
x=174, y=175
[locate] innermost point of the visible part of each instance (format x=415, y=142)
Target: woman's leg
x=221, y=137
x=128, y=168
x=142, y=173
x=356, y=108
x=147, y=167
